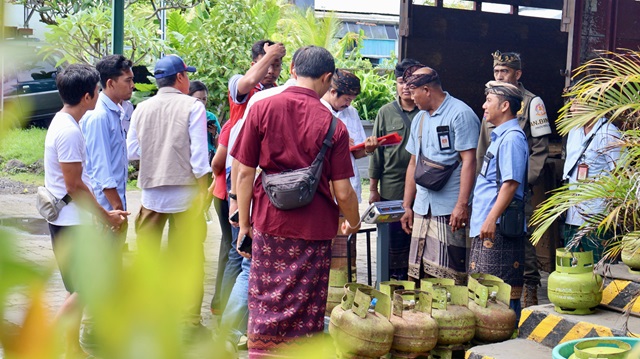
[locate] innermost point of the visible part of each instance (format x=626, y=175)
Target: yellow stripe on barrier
x=544, y=328
x=603, y=331
x=636, y=306
x=612, y=290
x=525, y=314
x=580, y=330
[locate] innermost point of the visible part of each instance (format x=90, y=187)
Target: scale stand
x=377, y=212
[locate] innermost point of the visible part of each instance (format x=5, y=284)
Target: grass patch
x=27, y=178
x=26, y=145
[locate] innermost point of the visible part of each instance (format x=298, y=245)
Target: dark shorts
x=61, y=241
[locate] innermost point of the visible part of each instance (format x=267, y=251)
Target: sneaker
x=530, y=294
x=242, y=343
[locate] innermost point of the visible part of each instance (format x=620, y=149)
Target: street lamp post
x=117, y=37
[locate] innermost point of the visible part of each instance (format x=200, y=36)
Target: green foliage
x=85, y=36
x=26, y=145
x=302, y=28
x=608, y=87
x=50, y=11
x=347, y=52
x=376, y=91
x=216, y=43
x=220, y=46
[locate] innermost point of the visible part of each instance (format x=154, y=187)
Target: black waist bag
x=431, y=174
x=296, y=188
x=512, y=220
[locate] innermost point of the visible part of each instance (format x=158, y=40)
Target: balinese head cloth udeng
x=503, y=89
x=345, y=82
x=508, y=59
x=416, y=80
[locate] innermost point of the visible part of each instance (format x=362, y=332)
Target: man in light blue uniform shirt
x=107, y=163
x=450, y=132
x=491, y=251
x=105, y=137
x=591, y=152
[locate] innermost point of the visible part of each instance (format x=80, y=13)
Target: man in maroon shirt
x=291, y=249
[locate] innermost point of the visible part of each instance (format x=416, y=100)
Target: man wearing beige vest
x=168, y=134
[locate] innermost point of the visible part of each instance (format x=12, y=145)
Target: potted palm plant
x=607, y=86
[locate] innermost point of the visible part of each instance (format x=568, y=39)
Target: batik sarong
x=502, y=257
x=288, y=286
x=436, y=251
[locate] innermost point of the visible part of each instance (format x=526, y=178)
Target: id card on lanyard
x=485, y=164
x=444, y=138
x=583, y=171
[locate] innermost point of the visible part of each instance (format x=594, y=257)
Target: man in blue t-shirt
x=444, y=131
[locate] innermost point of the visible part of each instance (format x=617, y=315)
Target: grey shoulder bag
x=296, y=188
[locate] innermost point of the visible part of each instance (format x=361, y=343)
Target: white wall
x=390, y=7
x=14, y=16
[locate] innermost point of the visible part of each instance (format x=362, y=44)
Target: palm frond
x=607, y=86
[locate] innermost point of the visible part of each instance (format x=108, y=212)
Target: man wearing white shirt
x=345, y=87
x=168, y=134
x=66, y=178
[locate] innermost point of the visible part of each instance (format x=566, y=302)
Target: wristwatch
x=233, y=196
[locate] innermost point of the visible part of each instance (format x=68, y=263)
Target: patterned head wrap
x=345, y=82
x=503, y=89
x=508, y=59
x=418, y=80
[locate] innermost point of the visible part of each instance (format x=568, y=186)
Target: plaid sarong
x=436, y=251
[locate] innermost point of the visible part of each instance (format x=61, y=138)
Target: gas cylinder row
x=411, y=323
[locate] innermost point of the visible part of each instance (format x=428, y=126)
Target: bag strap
x=420, y=136
x=526, y=169
x=403, y=114
x=326, y=143
x=584, y=149
x=66, y=199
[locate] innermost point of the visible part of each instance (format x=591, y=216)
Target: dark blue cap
x=171, y=65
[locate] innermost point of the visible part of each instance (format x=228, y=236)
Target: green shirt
x=389, y=164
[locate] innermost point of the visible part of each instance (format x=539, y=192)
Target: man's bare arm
x=409, y=196
x=460, y=214
x=81, y=194
x=348, y=203
x=259, y=70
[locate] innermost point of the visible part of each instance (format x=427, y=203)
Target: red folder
x=390, y=140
